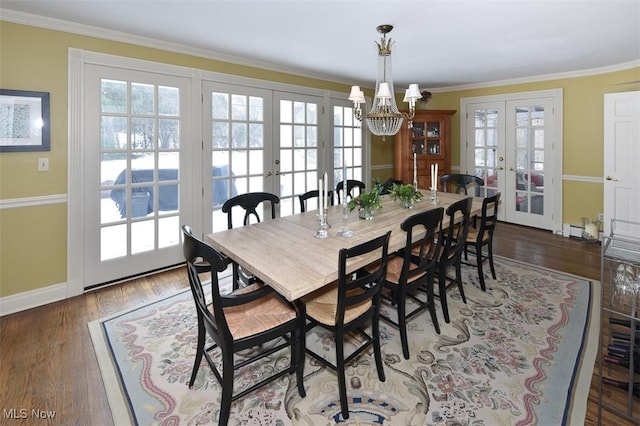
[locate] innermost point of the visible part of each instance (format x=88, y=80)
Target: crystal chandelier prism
x=384, y=118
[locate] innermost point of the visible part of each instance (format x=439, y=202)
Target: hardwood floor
x=47, y=360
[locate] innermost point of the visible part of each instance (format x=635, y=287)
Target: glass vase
x=406, y=202
x=365, y=213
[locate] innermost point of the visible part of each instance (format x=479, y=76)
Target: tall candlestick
x=344, y=179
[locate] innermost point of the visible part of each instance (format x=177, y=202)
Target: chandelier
x=384, y=119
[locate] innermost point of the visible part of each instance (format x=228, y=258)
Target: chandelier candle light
x=385, y=119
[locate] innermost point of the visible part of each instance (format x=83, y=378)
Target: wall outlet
x=601, y=217
x=43, y=164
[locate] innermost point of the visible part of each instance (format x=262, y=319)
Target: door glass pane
x=142, y=99
x=168, y=101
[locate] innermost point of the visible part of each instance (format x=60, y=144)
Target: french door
x=135, y=191
x=258, y=140
x=513, y=145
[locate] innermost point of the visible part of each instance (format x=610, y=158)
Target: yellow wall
x=33, y=239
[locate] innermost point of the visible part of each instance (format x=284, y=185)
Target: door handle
x=611, y=178
x=511, y=169
x=500, y=168
x=501, y=158
x=280, y=174
x=268, y=174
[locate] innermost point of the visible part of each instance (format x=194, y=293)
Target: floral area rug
x=521, y=353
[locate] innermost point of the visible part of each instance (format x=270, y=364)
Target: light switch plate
x=43, y=164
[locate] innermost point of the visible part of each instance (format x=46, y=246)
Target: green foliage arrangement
x=370, y=199
x=405, y=192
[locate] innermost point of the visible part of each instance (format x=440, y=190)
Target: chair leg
x=459, y=281
x=442, y=289
x=375, y=326
x=402, y=325
x=227, y=388
x=342, y=382
x=199, y=352
x=432, y=306
x=479, y=263
x=300, y=356
x=236, y=276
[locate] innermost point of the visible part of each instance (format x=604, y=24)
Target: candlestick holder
x=434, y=196
x=322, y=227
x=345, y=231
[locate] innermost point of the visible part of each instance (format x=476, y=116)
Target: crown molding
x=538, y=78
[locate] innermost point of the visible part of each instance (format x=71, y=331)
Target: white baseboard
x=569, y=230
x=31, y=299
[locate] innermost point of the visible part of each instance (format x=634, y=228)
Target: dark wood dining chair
x=410, y=273
x=482, y=235
x=453, y=243
x=461, y=183
x=249, y=203
x=349, y=305
x=354, y=188
x=252, y=317
x=313, y=194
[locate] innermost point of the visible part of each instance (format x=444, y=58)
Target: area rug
x=521, y=353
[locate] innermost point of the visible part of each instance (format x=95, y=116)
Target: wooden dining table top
x=285, y=254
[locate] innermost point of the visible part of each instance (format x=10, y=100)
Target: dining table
x=285, y=253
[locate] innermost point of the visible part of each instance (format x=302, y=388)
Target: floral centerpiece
x=367, y=202
x=407, y=194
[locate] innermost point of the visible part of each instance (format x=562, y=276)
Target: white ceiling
x=438, y=43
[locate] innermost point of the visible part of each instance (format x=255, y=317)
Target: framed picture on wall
x=24, y=121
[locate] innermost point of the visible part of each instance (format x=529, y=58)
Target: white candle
x=325, y=192
x=415, y=168
x=433, y=171
x=320, y=198
x=435, y=178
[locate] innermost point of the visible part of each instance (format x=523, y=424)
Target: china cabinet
x=430, y=140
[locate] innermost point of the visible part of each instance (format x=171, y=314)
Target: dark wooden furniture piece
x=249, y=202
x=453, y=243
x=314, y=193
x=348, y=305
x=354, y=188
x=461, y=183
x=253, y=317
x=430, y=139
x=411, y=272
x=482, y=235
